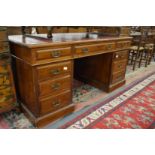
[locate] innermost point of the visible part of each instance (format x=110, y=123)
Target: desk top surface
x=59, y=39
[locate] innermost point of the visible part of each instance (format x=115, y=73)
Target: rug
x=14, y=120
x=133, y=107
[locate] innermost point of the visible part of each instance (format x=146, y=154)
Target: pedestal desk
x=44, y=70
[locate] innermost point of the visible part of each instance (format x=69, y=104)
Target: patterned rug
x=133, y=107
x=14, y=120
x=83, y=96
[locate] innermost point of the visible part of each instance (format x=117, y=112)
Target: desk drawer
x=54, y=70
x=86, y=49
x=4, y=46
x=118, y=77
x=123, y=44
x=55, y=103
x=53, y=53
x=53, y=87
x=120, y=55
x=119, y=66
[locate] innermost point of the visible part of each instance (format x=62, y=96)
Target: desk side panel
x=25, y=85
x=22, y=52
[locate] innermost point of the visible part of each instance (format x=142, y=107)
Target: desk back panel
x=94, y=70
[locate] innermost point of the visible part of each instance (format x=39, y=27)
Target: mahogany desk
x=44, y=70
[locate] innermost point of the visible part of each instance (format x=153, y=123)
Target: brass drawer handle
x=85, y=50
x=56, y=54
x=109, y=47
x=119, y=66
x=56, y=72
x=56, y=86
x=56, y=103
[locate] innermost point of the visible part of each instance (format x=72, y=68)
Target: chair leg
x=147, y=59
x=140, y=61
x=135, y=61
x=153, y=53
x=134, y=65
x=130, y=58
x=141, y=55
x=134, y=55
x=151, y=56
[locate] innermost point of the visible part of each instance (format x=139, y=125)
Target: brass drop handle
x=56, y=86
x=56, y=72
x=109, y=47
x=119, y=66
x=56, y=103
x=85, y=50
x=56, y=54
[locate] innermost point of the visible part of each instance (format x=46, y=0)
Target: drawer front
x=117, y=77
x=123, y=44
x=55, y=103
x=120, y=55
x=54, y=70
x=119, y=66
x=4, y=46
x=3, y=35
x=54, y=54
x=53, y=87
x=86, y=49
